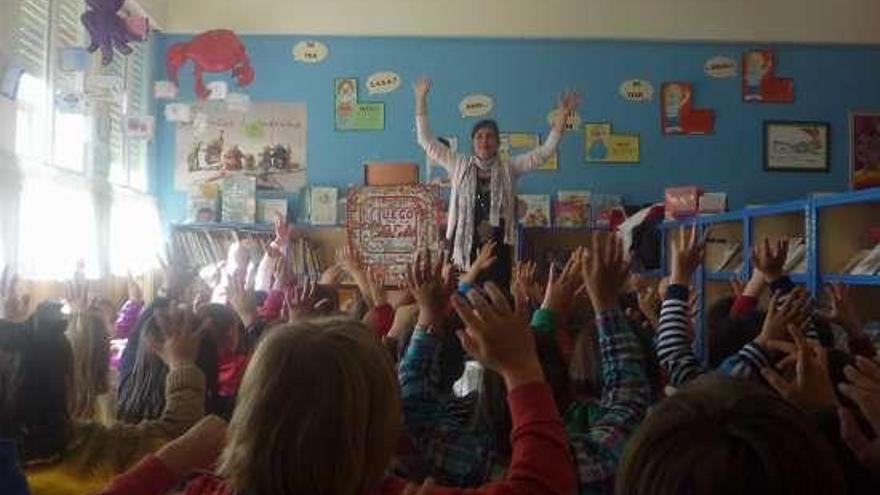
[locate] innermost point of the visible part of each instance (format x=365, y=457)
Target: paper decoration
x=107, y=29
x=164, y=90
x=352, y=115
x=70, y=102
x=73, y=59
x=515, y=143
x=71, y=82
x=572, y=209
x=383, y=82
x=267, y=142
x=104, y=88
x=797, y=146
x=323, y=205
x=572, y=122
x=139, y=26
x=637, y=90
x=140, y=127
x=864, y=150
x=220, y=50
x=9, y=85
x=720, y=67
x=677, y=112
x=603, y=146
x=435, y=174
x=759, y=82
x=239, y=199
x=217, y=90
x=476, y=105
x=387, y=226
x=238, y=102
x=178, y=112
x=310, y=52
x=268, y=209
x=533, y=210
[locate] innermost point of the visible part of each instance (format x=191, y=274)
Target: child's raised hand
x=843, y=312
x=484, y=260
x=770, y=260
x=424, y=281
x=605, y=271
x=811, y=389
x=422, y=87
x=782, y=312
x=864, y=390
x=687, y=255
x=559, y=294
x=180, y=334
x=498, y=336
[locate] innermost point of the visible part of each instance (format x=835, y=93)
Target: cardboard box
x=682, y=202
x=390, y=174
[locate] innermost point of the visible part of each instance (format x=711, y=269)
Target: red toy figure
x=219, y=50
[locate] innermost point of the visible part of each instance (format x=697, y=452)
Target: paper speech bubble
x=475, y=105
x=383, y=82
x=637, y=90
x=721, y=67
x=310, y=52
x=572, y=123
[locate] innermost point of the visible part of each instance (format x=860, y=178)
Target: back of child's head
x=225, y=329
x=726, y=334
x=719, y=436
x=318, y=412
x=141, y=392
x=35, y=386
x=90, y=343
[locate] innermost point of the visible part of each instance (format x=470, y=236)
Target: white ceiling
x=802, y=21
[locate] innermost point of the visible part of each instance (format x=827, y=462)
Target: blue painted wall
x=524, y=77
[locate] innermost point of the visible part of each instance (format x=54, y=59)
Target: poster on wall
x=354, y=115
x=268, y=143
x=797, y=146
x=517, y=143
x=864, y=156
x=603, y=146
x=759, y=81
x=677, y=112
x=637, y=90
x=388, y=226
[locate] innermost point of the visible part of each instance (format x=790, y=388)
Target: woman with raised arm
x=482, y=206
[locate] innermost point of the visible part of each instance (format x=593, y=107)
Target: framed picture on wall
x=864, y=149
x=791, y=146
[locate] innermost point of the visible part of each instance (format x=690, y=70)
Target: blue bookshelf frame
x=813, y=278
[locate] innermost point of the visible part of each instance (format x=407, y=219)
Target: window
x=63, y=205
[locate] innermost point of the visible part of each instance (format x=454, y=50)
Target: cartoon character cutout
x=346, y=96
x=759, y=82
x=675, y=97
x=598, y=147
x=757, y=67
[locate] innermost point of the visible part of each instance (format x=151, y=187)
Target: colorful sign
x=759, y=81
x=383, y=82
x=637, y=90
x=720, y=67
x=475, y=106
x=603, y=146
x=352, y=115
x=310, y=52
x=864, y=150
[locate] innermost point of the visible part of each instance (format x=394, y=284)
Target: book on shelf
x=870, y=264
x=796, y=256
x=203, y=203
x=268, y=209
x=854, y=261
x=323, y=205
x=533, y=210
x=607, y=209
x=732, y=256
x=572, y=209
x=239, y=199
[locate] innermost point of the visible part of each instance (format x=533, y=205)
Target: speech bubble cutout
x=310, y=52
x=383, y=82
x=721, y=67
x=572, y=123
x=476, y=105
x=637, y=90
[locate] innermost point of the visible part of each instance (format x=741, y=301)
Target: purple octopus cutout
x=107, y=29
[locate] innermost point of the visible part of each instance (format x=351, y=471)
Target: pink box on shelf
x=682, y=201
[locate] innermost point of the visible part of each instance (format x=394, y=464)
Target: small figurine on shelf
x=214, y=151
x=280, y=157
x=250, y=163
x=232, y=159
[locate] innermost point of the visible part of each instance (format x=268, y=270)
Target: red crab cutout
x=220, y=50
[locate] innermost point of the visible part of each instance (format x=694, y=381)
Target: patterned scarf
x=462, y=202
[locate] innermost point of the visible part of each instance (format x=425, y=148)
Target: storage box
x=390, y=174
x=682, y=201
x=714, y=202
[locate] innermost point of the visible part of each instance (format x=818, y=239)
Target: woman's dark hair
x=486, y=124
x=36, y=381
x=724, y=437
x=141, y=393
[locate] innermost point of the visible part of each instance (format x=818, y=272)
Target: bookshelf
x=834, y=227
